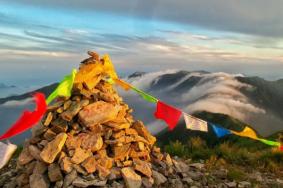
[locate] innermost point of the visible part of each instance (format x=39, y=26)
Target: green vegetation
x=227, y=153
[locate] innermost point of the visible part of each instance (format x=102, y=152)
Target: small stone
x=67, y=104
x=102, y=171
x=118, y=126
x=132, y=179
x=188, y=180
x=143, y=154
x=74, y=109
x=93, y=142
x=38, y=180
x=158, y=178
x=52, y=149
x=121, y=152
x=168, y=160
x=80, y=155
x=74, y=142
x=147, y=182
x=60, y=110
x=115, y=173
x=38, y=130
x=66, y=164
x=198, y=166
x=90, y=164
x=59, y=184
x=127, y=163
x=143, y=167
x=34, y=151
x=42, y=144
x=61, y=155
x=25, y=157
x=79, y=182
x=69, y=178
x=176, y=183
x=131, y=131
x=180, y=166
x=142, y=131
x=80, y=169
x=40, y=167
x=55, y=105
x=22, y=180
x=54, y=173
x=98, y=112
x=48, y=119
x=279, y=181
x=29, y=167
x=118, y=134
x=244, y=184
x=196, y=176
x=231, y=184
x=49, y=135
x=59, y=126
x=141, y=146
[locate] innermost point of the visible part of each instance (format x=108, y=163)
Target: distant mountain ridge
x=252, y=100
x=46, y=90
x=4, y=86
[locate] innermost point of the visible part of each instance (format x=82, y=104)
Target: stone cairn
x=91, y=139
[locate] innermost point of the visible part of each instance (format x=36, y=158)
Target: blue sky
x=40, y=41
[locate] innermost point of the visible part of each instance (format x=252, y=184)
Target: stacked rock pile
x=91, y=139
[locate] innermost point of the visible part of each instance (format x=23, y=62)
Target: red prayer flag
x=28, y=119
x=168, y=113
x=281, y=148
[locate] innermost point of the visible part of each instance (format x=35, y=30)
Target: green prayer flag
x=269, y=142
x=64, y=88
x=146, y=96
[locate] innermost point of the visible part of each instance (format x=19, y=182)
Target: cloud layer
x=255, y=17
x=201, y=91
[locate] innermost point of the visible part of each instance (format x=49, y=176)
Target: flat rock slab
x=52, y=149
x=132, y=179
x=98, y=112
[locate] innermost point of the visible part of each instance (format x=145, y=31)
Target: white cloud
x=17, y=103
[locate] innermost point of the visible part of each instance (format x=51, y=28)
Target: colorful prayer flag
x=109, y=67
x=6, y=152
x=167, y=113
x=247, y=132
x=269, y=142
x=219, y=131
x=194, y=123
x=145, y=96
x=28, y=119
x=281, y=148
x=64, y=89
x=123, y=84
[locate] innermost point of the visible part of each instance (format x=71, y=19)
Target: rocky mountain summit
x=91, y=140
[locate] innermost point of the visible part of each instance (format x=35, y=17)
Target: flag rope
x=219, y=130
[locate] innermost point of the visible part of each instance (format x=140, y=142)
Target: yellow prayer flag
x=126, y=86
x=108, y=67
x=247, y=132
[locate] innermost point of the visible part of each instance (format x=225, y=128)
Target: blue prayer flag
x=219, y=131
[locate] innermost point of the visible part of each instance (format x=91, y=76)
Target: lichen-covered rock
x=38, y=180
x=52, y=149
x=132, y=179
x=97, y=113
x=25, y=157
x=54, y=173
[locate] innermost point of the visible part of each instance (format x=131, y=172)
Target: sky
x=41, y=41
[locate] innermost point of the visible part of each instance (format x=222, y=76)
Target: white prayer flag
x=6, y=152
x=194, y=123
